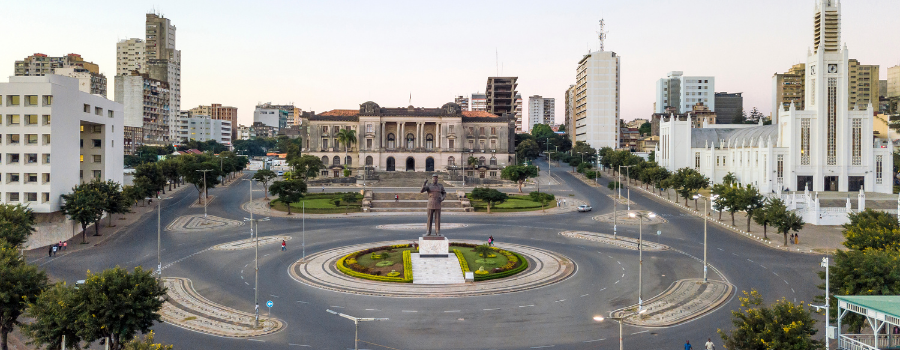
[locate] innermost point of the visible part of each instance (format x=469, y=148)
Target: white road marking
x=453, y=311
x=616, y=282
x=623, y=268
x=242, y=277
x=247, y=265
x=245, y=282
x=302, y=302
x=263, y=341
x=242, y=271
x=291, y=344
x=372, y=310
x=591, y=341
x=721, y=249
x=764, y=267
x=734, y=254
x=620, y=263
x=623, y=275
x=587, y=294
x=542, y=346
x=339, y=307
x=560, y=300
x=792, y=291
x=776, y=274
x=526, y=305
x=273, y=295
x=639, y=332
x=491, y=309
x=408, y=311
x=265, y=255
x=786, y=282
x=604, y=288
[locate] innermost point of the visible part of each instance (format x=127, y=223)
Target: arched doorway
x=410, y=141
x=429, y=164
x=368, y=160
x=410, y=164
x=390, y=164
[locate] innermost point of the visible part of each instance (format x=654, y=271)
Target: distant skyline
x=337, y=55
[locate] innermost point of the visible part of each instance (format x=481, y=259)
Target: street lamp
x=356, y=321
x=827, y=303
x=205, y=194
x=640, y=216
x=706, y=206
x=619, y=319
x=256, y=283
x=159, y=237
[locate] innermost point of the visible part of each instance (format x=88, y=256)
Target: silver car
x=584, y=208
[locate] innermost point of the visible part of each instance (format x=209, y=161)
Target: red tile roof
x=479, y=114
x=341, y=113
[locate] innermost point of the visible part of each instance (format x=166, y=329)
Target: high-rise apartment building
x=597, y=99
x=130, y=56
x=278, y=116
x=500, y=95
x=541, y=110
x=463, y=102
x=729, y=108
x=86, y=132
x=478, y=102
x=863, y=85
x=788, y=88
x=893, y=82
x=683, y=92
x=203, y=128
x=146, y=110
x=218, y=112
x=71, y=65
x=519, y=112
x=570, y=112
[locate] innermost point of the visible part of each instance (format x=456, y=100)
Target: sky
x=323, y=55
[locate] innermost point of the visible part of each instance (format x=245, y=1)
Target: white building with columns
x=826, y=147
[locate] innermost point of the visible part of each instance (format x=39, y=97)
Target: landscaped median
x=502, y=263
x=323, y=203
x=375, y=264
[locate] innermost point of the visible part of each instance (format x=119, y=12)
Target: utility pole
x=356, y=321
x=256, y=283
x=640, y=217
x=205, y=193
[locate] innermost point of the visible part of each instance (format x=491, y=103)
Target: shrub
x=462, y=261
x=352, y=271
x=583, y=167
x=407, y=266
x=538, y=196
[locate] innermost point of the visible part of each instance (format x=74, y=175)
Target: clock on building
x=832, y=68
x=812, y=70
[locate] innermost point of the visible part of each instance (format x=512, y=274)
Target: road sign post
x=269, y=304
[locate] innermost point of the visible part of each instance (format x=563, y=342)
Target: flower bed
x=515, y=263
x=462, y=261
x=365, y=264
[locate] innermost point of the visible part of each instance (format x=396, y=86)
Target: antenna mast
x=602, y=33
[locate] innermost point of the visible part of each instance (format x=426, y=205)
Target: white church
x=826, y=147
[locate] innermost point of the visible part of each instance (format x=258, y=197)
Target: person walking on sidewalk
x=65, y=245
x=491, y=241
x=687, y=345
x=283, y=245
x=50, y=251
x=53, y=249
x=710, y=345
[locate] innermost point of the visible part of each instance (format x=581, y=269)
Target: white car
x=280, y=173
x=584, y=208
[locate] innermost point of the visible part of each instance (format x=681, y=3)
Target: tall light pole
x=549, y=178
x=827, y=305
x=619, y=319
x=256, y=283
x=640, y=217
x=356, y=321
x=205, y=194
x=707, y=204
x=159, y=237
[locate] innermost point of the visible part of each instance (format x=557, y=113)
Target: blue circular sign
x=269, y=303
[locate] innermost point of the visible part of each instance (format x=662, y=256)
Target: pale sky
x=338, y=54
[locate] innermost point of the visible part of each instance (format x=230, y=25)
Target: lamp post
x=706, y=205
x=159, y=237
x=205, y=194
x=548, y=161
x=619, y=319
x=640, y=217
x=256, y=283
x=356, y=321
x=827, y=303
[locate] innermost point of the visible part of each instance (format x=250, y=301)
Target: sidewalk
x=813, y=239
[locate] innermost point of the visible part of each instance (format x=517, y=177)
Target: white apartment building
x=146, y=107
x=203, y=128
x=130, y=56
x=597, y=99
x=86, y=131
x=520, y=114
x=268, y=116
x=683, y=92
x=541, y=110
x=478, y=102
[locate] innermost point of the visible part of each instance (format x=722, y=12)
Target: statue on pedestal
x=436, y=194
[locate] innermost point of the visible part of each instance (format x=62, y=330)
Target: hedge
x=507, y=273
x=407, y=266
x=462, y=261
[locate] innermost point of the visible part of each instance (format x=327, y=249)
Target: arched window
x=348, y=160
x=390, y=140
x=429, y=141
x=369, y=160
x=493, y=160
x=410, y=141
x=324, y=160
x=336, y=160
x=451, y=161
x=481, y=160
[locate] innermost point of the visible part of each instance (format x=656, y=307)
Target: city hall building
x=825, y=147
x=412, y=139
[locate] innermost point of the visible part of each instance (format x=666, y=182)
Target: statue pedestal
x=434, y=247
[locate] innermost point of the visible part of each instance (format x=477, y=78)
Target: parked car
x=280, y=173
x=584, y=208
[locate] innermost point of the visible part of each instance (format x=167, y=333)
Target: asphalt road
x=558, y=315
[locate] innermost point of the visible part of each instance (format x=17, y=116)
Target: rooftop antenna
x=602, y=33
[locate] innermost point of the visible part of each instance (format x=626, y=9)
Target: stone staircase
x=406, y=179
x=415, y=202
x=436, y=270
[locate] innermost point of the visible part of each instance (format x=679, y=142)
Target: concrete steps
x=437, y=270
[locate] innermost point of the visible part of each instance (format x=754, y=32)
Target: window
x=494, y=144
x=45, y=197
x=12, y=158
x=324, y=160
x=46, y=119
x=832, y=121
x=697, y=160
x=96, y=143
x=96, y=174
x=451, y=143
x=878, y=169
x=471, y=144
x=48, y=100
x=111, y=114
x=82, y=158
x=451, y=129
x=348, y=160
x=87, y=108
x=11, y=177
x=472, y=130
x=98, y=158
x=46, y=158
x=336, y=160
x=46, y=177
x=13, y=139
x=98, y=110
x=12, y=119
x=451, y=161
x=12, y=100
x=369, y=128
x=324, y=130
x=32, y=139
x=780, y=166
x=493, y=160
x=493, y=130
x=13, y=197
x=368, y=143
x=30, y=177
x=804, y=141
x=857, y=141
x=481, y=131
x=31, y=196
x=324, y=143
x=31, y=158
x=46, y=139
x=31, y=100
x=493, y=174
x=481, y=161
x=96, y=129
x=31, y=119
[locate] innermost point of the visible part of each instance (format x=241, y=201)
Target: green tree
x=114, y=200
x=729, y=179
x=645, y=129
x=765, y=215
x=84, y=205
x=155, y=180
x=541, y=133
x=190, y=170
x=787, y=221
x=20, y=285
x=490, y=196
x=687, y=181
x=871, y=229
x=264, y=176
x=783, y=325
x=614, y=185
x=528, y=149
x=169, y=168
x=132, y=194
x=346, y=137
x=484, y=250
x=55, y=315
x=855, y=272
x=308, y=166
x=347, y=198
x=519, y=173
x=16, y=223
x=117, y=304
x=472, y=161
x=752, y=201
x=146, y=344
x=288, y=191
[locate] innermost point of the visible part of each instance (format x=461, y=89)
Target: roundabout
x=622, y=217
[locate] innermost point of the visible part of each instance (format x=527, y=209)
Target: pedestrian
x=323, y=188
x=709, y=344
x=65, y=245
x=797, y=238
x=151, y=200
x=687, y=345
x=283, y=245
x=54, y=250
x=396, y=198
x=50, y=251
x=491, y=240
x=792, y=238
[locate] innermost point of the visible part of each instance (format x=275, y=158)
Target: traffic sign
x=269, y=303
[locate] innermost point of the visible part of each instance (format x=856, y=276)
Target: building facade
x=164, y=61
x=86, y=131
x=863, y=85
x=413, y=139
x=146, y=109
x=788, y=88
x=682, y=92
x=130, y=56
x=893, y=82
x=541, y=110
x=478, y=102
x=219, y=112
x=500, y=95
x=826, y=147
x=203, y=128
x=72, y=65
x=462, y=101
x=570, y=113
x=597, y=99
x=729, y=108
x=278, y=116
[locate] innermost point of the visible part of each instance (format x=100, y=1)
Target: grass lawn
x=473, y=258
x=320, y=203
x=514, y=203
x=396, y=256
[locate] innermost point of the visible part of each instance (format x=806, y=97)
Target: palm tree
x=347, y=137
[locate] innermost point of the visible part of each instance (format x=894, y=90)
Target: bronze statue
x=436, y=195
